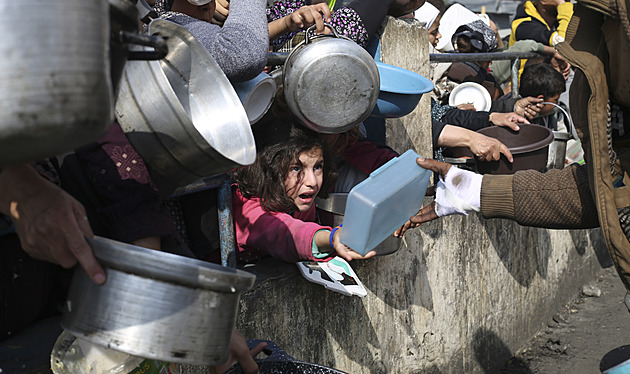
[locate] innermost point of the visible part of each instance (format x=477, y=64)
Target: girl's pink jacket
x=260, y=233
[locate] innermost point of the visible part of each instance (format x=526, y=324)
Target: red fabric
x=260, y=233
x=367, y=156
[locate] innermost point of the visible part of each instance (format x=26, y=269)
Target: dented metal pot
x=331, y=84
x=156, y=305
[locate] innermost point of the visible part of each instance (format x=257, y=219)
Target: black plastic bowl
x=529, y=147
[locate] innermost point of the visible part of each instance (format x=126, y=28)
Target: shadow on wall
x=491, y=353
x=524, y=251
x=406, y=268
x=581, y=239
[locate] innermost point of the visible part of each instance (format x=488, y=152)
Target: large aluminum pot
x=331, y=84
x=156, y=305
x=56, y=92
x=181, y=113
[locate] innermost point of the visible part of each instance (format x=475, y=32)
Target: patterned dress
x=346, y=21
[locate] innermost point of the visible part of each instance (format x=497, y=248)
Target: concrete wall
x=460, y=296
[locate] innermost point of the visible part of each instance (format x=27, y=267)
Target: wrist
x=491, y=117
x=17, y=183
x=331, y=237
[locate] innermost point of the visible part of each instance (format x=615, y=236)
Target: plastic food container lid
x=383, y=202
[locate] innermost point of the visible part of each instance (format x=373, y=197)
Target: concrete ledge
x=460, y=296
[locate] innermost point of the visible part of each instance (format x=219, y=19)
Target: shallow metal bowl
x=156, y=305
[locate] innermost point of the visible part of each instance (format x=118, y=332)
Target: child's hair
x=279, y=141
x=541, y=79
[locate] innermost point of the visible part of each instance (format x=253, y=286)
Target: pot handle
x=310, y=34
x=160, y=48
x=571, y=129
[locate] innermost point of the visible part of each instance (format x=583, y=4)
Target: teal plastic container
x=383, y=202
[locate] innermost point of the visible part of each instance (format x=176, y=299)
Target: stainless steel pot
x=56, y=91
x=181, y=113
x=331, y=84
x=156, y=305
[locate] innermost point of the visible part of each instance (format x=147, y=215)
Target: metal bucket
x=558, y=148
x=335, y=204
x=156, y=305
x=181, y=113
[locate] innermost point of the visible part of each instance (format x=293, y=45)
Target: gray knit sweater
x=241, y=46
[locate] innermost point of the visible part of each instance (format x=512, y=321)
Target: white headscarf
x=427, y=14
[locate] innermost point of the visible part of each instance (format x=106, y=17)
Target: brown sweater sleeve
x=557, y=199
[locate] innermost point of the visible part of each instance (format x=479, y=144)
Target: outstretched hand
x=486, y=148
x=510, y=120
x=308, y=16
x=346, y=252
x=427, y=213
x=51, y=224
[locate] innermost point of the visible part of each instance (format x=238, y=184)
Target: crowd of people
x=105, y=188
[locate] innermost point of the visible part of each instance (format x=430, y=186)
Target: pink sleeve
x=276, y=234
x=367, y=156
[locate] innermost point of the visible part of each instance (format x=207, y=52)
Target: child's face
x=305, y=178
x=547, y=109
x=205, y=12
x=434, y=33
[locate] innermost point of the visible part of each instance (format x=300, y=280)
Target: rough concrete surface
x=588, y=335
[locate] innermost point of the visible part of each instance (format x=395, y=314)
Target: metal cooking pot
x=181, y=113
x=331, y=84
x=56, y=91
x=156, y=305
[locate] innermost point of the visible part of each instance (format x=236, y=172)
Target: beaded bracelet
x=332, y=234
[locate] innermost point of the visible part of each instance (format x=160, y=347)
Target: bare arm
x=301, y=19
x=482, y=146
